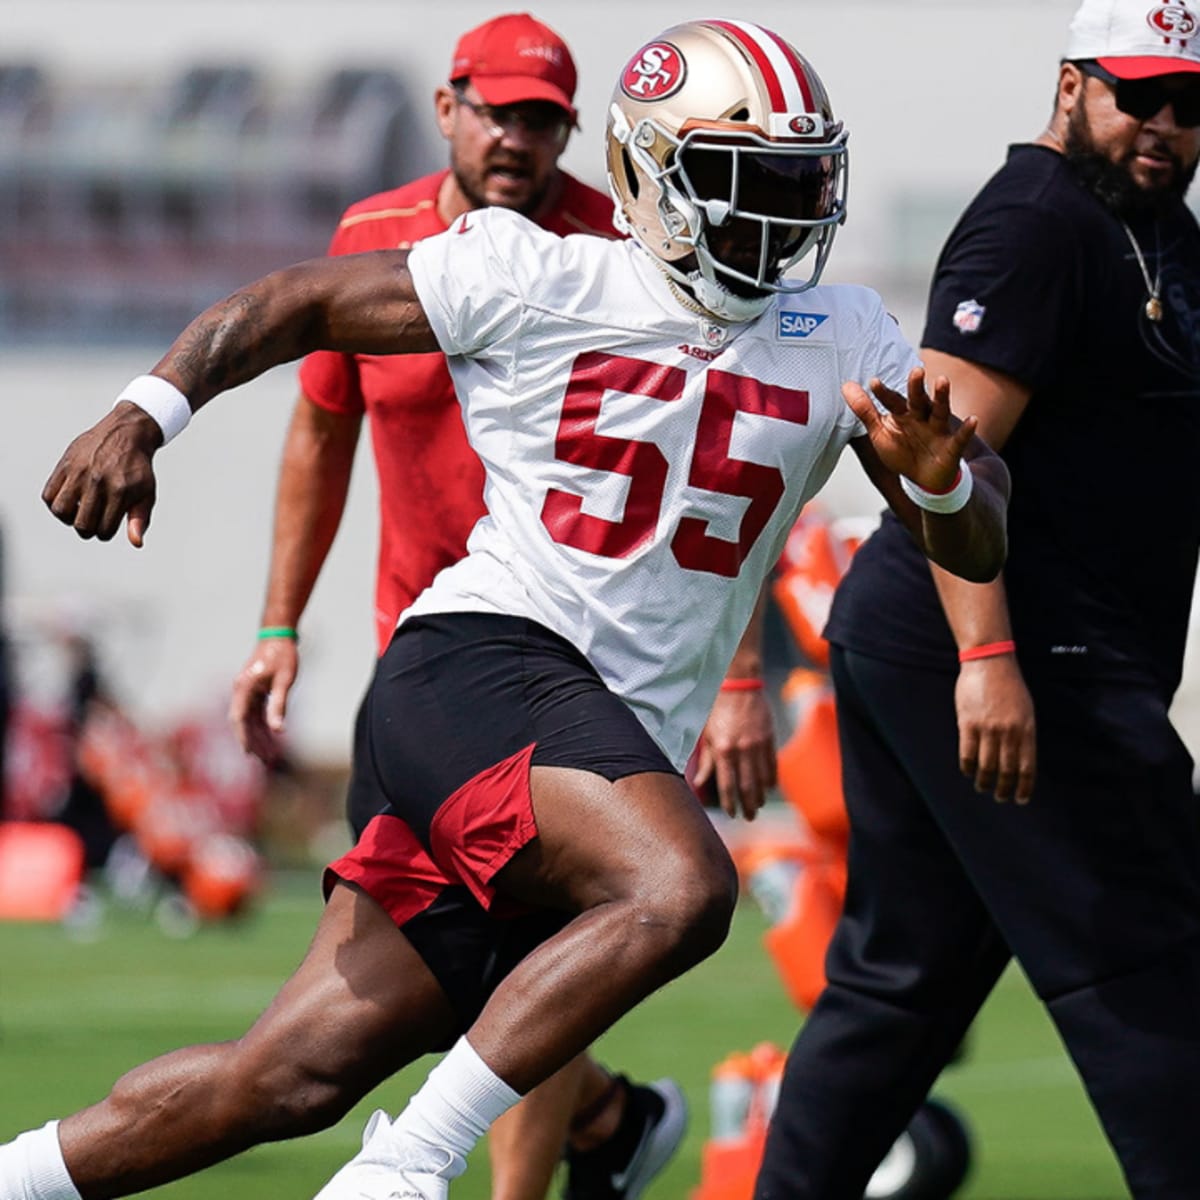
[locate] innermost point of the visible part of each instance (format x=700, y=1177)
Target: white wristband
x=941, y=502
x=161, y=400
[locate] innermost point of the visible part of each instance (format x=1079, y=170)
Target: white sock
x=456, y=1104
x=32, y=1167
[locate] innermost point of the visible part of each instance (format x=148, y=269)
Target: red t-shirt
x=430, y=482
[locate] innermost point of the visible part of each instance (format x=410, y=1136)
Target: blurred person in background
x=6, y=693
x=1065, y=311
x=543, y=865
x=84, y=808
x=507, y=113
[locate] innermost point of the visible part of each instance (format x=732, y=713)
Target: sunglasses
x=1142, y=98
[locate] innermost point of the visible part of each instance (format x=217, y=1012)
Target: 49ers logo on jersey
x=1173, y=21
x=655, y=72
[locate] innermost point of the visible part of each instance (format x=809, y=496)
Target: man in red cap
x=507, y=113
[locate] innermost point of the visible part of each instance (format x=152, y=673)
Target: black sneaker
x=651, y=1128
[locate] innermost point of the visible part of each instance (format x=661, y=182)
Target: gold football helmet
x=726, y=163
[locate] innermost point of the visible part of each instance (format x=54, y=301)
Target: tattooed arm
x=358, y=303
x=362, y=303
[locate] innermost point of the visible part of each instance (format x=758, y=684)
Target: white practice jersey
x=644, y=463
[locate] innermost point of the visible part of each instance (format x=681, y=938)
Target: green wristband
x=278, y=631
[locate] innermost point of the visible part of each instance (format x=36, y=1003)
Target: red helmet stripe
x=776, y=83
x=798, y=65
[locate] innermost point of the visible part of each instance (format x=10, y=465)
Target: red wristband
x=990, y=650
x=742, y=685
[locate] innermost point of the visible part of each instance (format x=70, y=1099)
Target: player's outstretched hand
x=106, y=475
x=914, y=435
x=258, y=707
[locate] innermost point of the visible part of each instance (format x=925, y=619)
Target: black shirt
x=1039, y=280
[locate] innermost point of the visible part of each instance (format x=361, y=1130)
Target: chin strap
x=725, y=305
x=721, y=302
x=685, y=298
x=692, y=290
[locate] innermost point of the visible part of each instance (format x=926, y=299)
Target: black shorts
x=461, y=707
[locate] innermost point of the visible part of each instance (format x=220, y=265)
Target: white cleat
x=386, y=1169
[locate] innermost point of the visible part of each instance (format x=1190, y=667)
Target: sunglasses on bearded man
x=1142, y=98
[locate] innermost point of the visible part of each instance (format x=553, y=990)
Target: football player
x=506, y=112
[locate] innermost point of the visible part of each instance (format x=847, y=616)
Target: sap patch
x=799, y=324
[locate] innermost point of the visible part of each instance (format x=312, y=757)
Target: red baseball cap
x=513, y=58
x=1137, y=39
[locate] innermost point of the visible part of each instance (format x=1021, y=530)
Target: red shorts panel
x=484, y=823
x=475, y=833
x=393, y=868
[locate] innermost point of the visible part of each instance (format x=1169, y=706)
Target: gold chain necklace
x=1154, y=308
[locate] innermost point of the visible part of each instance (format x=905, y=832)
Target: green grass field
x=75, y=1014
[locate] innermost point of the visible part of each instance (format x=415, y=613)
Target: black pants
x=1094, y=886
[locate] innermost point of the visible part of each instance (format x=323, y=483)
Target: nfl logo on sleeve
x=968, y=316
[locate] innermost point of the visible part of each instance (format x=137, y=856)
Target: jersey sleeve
x=880, y=351
x=1005, y=293
x=473, y=280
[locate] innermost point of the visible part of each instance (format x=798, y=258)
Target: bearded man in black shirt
x=1065, y=311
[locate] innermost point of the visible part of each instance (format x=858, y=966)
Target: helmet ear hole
x=631, y=179
x=741, y=114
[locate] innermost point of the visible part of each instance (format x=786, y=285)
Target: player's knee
x=714, y=906
x=693, y=903
x=710, y=915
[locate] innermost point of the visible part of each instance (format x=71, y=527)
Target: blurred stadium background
x=156, y=153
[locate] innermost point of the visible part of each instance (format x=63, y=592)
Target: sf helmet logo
x=1172, y=21
x=802, y=124
x=655, y=72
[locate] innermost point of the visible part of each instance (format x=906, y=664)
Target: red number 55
x=712, y=468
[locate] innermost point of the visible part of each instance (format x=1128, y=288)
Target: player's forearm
x=314, y=480
x=973, y=542
x=357, y=303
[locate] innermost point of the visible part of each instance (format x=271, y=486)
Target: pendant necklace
x=712, y=332
x=1154, y=308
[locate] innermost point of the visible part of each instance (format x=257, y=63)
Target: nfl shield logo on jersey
x=968, y=316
